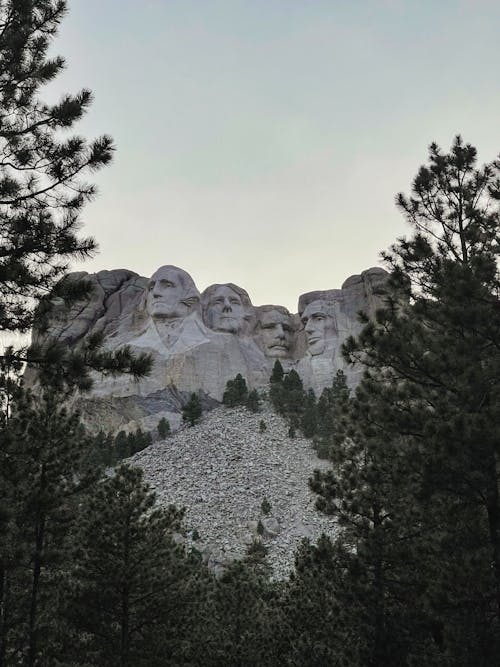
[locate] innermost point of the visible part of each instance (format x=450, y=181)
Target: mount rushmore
x=199, y=341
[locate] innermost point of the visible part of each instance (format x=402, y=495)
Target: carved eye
x=235, y=302
x=167, y=283
x=286, y=328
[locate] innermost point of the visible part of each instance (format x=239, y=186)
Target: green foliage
x=41, y=187
x=262, y=426
x=309, y=419
x=192, y=411
x=415, y=451
x=246, y=631
x=133, y=592
x=260, y=528
x=163, y=428
x=46, y=465
x=277, y=373
x=323, y=622
x=265, y=507
x=127, y=444
x=253, y=401
x=236, y=392
x=42, y=192
x=330, y=413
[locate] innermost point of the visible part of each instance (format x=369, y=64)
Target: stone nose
x=226, y=308
x=280, y=332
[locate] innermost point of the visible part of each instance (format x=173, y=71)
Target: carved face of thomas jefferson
x=320, y=326
x=275, y=329
x=171, y=294
x=226, y=308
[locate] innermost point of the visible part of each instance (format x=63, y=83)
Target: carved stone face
x=276, y=333
x=226, y=311
x=320, y=326
x=171, y=293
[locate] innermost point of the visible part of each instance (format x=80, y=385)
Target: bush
x=265, y=507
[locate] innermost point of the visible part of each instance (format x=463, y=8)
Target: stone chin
x=227, y=324
x=317, y=346
x=162, y=311
x=279, y=351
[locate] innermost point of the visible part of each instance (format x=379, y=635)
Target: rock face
x=200, y=341
x=223, y=469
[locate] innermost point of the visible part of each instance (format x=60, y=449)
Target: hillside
x=222, y=469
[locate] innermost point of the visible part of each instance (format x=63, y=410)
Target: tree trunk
x=4, y=610
x=493, y=510
x=35, y=587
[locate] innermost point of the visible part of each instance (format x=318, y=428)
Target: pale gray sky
x=262, y=142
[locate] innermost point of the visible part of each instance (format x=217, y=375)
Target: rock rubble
x=222, y=469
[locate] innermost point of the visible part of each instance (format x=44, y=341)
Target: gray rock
x=200, y=341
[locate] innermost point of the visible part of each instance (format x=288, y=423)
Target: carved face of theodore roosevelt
x=171, y=294
x=320, y=326
x=275, y=331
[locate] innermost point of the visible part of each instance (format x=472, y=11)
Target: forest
x=90, y=571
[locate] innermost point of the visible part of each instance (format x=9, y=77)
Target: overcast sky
x=262, y=142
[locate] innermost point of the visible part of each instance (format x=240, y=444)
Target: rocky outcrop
x=199, y=341
x=222, y=470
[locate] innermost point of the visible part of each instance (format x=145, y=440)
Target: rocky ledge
x=222, y=469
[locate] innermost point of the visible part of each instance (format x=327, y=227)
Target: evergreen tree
x=192, y=411
x=308, y=422
x=236, y=392
x=416, y=477
x=46, y=462
x=253, y=401
x=319, y=617
x=277, y=372
x=135, y=595
x=122, y=446
x=244, y=610
x=42, y=191
x=41, y=186
x=163, y=428
x=330, y=410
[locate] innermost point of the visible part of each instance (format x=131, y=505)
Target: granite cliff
x=199, y=341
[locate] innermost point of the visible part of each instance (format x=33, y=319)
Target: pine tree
x=330, y=410
x=46, y=462
x=163, y=428
x=253, y=401
x=192, y=411
x=277, y=372
x=319, y=616
x=244, y=610
x=135, y=595
x=41, y=186
x=416, y=481
x=236, y=392
x=42, y=191
x=309, y=419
